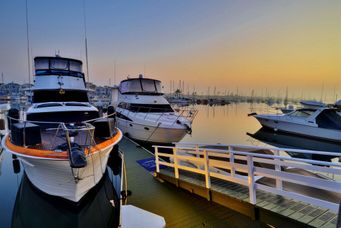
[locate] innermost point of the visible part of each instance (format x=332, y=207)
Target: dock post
x=207, y=170
x=251, y=180
x=176, y=168
x=279, y=184
x=233, y=169
x=157, y=159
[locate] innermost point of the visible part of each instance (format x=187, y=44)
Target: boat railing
x=187, y=113
x=251, y=166
x=57, y=133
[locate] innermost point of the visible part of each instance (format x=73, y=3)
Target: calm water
x=230, y=124
x=21, y=204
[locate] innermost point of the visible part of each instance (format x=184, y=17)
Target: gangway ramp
x=263, y=183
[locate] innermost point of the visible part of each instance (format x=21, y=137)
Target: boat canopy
x=58, y=65
x=329, y=118
x=140, y=86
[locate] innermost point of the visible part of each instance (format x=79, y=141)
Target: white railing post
x=176, y=167
x=157, y=159
x=197, y=155
x=279, y=184
x=251, y=180
x=233, y=169
x=207, y=170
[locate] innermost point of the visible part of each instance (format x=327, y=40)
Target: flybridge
x=58, y=74
x=58, y=65
x=140, y=86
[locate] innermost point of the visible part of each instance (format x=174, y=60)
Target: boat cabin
x=56, y=76
x=141, y=86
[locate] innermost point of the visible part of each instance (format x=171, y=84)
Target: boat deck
x=178, y=207
x=270, y=208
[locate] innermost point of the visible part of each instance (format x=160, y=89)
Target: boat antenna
x=86, y=43
x=115, y=72
x=28, y=46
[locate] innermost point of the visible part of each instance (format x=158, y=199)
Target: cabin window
x=158, y=86
x=75, y=66
x=131, y=86
x=41, y=64
x=150, y=108
x=302, y=113
x=61, y=64
x=56, y=96
x=148, y=86
x=76, y=104
x=49, y=105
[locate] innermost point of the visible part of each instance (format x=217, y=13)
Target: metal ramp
x=179, y=208
x=260, y=182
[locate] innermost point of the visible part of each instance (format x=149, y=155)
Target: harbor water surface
x=228, y=124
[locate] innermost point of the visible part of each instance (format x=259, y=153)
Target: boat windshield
x=141, y=86
x=302, y=113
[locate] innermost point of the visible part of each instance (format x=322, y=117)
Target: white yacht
x=145, y=115
x=63, y=143
x=322, y=123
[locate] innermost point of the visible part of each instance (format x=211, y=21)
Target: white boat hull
x=151, y=134
x=55, y=176
x=300, y=129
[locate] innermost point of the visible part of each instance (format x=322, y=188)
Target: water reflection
x=286, y=140
x=34, y=208
x=1, y=159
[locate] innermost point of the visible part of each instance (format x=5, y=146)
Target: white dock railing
x=246, y=165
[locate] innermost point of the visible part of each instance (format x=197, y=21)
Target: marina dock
x=178, y=207
x=218, y=177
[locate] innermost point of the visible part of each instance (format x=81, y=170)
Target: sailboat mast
x=28, y=47
x=86, y=43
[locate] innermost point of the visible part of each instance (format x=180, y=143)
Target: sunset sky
x=255, y=44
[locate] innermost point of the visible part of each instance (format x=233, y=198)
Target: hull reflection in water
x=34, y=208
x=287, y=140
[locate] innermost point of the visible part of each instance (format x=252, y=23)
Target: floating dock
x=178, y=207
x=266, y=187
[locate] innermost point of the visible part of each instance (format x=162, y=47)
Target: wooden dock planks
x=270, y=208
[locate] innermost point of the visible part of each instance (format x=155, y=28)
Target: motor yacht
x=144, y=114
x=62, y=142
x=322, y=123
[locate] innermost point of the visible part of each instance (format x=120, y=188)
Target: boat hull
x=151, y=134
x=55, y=176
x=300, y=129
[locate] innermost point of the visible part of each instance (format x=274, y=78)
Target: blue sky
x=221, y=42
